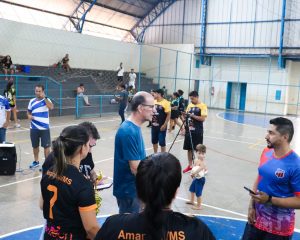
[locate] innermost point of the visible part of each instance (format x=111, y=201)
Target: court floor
x=234, y=147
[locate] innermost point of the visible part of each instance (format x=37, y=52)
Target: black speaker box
x=8, y=159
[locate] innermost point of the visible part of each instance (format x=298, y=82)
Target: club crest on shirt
x=279, y=173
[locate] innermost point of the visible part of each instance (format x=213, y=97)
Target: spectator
x=271, y=212
x=7, y=66
x=174, y=112
x=4, y=117
x=129, y=151
x=68, y=198
x=38, y=114
x=10, y=95
x=120, y=72
x=80, y=93
x=160, y=121
x=157, y=181
x=65, y=63
x=195, y=115
x=123, y=101
x=131, y=83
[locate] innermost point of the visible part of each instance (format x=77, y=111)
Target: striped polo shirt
x=40, y=112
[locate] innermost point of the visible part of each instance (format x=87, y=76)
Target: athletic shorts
x=158, y=136
x=120, y=78
x=36, y=135
x=197, y=138
x=197, y=186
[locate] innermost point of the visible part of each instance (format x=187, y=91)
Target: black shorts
x=36, y=135
x=174, y=114
x=12, y=105
x=120, y=78
x=197, y=138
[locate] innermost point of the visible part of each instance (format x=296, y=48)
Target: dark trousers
x=121, y=112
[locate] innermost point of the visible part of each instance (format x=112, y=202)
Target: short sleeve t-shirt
x=162, y=108
x=9, y=94
x=40, y=113
x=124, y=96
x=64, y=198
x=129, y=146
x=199, y=109
x=4, y=107
x=132, y=77
x=179, y=226
x=278, y=177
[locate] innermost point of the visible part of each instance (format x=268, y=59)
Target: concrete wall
x=35, y=45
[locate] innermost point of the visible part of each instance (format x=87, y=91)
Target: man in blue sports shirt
x=38, y=114
x=129, y=151
x=271, y=212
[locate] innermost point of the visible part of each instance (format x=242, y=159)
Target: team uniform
x=134, y=226
x=162, y=109
x=278, y=177
x=194, y=126
x=39, y=126
x=181, y=105
x=175, y=112
x=64, y=199
x=85, y=167
x=4, y=107
x=129, y=146
x=9, y=94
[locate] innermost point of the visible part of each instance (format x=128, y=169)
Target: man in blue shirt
x=38, y=114
x=129, y=151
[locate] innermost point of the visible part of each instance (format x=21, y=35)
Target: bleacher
x=96, y=82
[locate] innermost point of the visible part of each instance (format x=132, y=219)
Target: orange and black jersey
x=64, y=198
x=199, y=109
x=162, y=109
x=133, y=226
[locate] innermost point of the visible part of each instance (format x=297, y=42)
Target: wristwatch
x=269, y=199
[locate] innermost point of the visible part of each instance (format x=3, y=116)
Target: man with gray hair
x=129, y=151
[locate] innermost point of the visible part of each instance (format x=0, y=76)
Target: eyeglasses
x=148, y=105
x=92, y=145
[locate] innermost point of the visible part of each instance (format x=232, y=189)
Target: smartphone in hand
x=249, y=190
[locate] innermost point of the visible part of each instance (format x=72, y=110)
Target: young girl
x=68, y=200
x=198, y=174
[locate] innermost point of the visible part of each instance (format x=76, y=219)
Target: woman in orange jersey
x=68, y=200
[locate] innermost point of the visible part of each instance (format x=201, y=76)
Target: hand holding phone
x=249, y=190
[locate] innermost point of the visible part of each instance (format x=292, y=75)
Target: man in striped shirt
x=38, y=113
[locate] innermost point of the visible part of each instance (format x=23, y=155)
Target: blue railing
x=25, y=84
x=99, y=104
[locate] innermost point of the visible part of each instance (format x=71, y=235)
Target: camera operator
x=194, y=117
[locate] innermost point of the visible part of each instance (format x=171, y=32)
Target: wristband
x=269, y=199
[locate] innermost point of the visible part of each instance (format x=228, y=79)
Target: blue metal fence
x=25, y=85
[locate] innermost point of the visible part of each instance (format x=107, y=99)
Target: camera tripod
x=185, y=124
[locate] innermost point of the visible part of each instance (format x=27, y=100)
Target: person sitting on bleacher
x=65, y=63
x=7, y=66
x=80, y=93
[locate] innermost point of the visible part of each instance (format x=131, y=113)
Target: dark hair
x=9, y=84
x=91, y=129
x=81, y=84
x=66, y=145
x=137, y=100
x=193, y=94
x=180, y=92
x=284, y=126
x=40, y=86
x=122, y=86
x=176, y=94
x=157, y=179
x=201, y=148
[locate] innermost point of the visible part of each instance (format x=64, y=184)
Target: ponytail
x=157, y=180
x=66, y=145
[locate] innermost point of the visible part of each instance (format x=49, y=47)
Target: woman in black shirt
x=157, y=180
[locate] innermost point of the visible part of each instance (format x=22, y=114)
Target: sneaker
x=187, y=169
x=17, y=125
x=34, y=164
